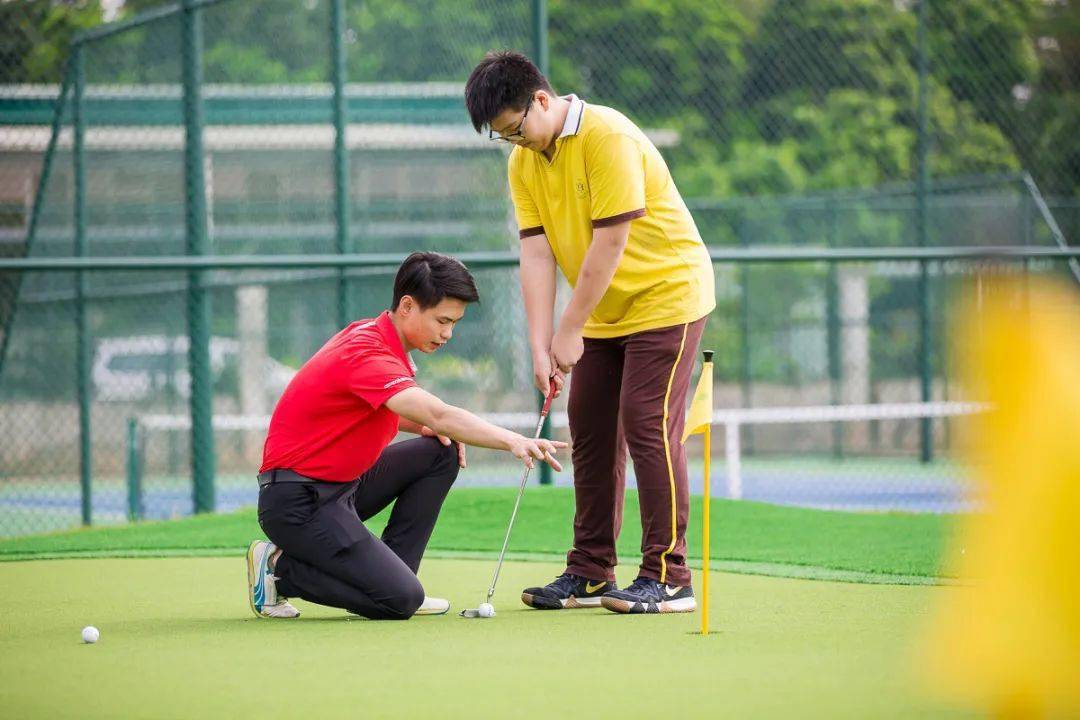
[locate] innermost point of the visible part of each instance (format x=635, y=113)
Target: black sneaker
x=567, y=591
x=646, y=595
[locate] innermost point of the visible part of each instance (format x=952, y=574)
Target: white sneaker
x=433, y=606
x=262, y=590
x=283, y=609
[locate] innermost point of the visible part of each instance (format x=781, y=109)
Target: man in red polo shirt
x=328, y=464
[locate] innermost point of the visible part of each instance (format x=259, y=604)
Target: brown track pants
x=629, y=393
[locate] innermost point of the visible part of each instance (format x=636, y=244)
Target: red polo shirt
x=331, y=422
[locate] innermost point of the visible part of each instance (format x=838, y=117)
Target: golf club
x=476, y=612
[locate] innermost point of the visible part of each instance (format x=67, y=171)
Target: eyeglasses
x=515, y=134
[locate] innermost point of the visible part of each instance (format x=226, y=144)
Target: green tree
x=673, y=64
x=803, y=51
x=841, y=84
x=981, y=51
x=36, y=35
x=653, y=59
x=1054, y=106
x=430, y=40
x=267, y=41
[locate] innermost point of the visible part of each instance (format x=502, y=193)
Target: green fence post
x=745, y=358
x=926, y=376
x=1025, y=233
x=1025, y=216
x=341, y=156
x=198, y=301
x=82, y=339
x=832, y=330
x=35, y=212
x=173, y=461
x=540, y=34
x=134, y=471
x=921, y=224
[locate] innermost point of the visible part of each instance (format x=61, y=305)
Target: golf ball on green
x=90, y=634
x=486, y=610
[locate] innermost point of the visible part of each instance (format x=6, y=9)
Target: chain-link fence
x=797, y=96
x=338, y=127
x=837, y=422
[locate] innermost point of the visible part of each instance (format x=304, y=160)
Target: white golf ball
x=90, y=634
x=486, y=610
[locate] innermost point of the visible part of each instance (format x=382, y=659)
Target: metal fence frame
x=198, y=300
x=198, y=263
x=198, y=266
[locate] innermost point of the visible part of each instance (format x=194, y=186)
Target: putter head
x=470, y=613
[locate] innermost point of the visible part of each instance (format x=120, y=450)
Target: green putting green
x=746, y=537
x=178, y=640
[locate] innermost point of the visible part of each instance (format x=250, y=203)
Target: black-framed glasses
x=514, y=134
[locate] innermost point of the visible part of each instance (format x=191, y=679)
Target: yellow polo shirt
x=605, y=171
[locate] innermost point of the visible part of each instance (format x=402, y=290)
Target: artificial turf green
x=746, y=536
x=178, y=640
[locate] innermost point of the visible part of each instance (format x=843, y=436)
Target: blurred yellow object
x=1010, y=645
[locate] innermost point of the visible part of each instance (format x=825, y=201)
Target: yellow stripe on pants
x=667, y=456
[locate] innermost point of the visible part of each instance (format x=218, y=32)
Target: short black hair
x=503, y=79
x=430, y=277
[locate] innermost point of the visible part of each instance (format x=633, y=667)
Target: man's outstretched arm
x=421, y=407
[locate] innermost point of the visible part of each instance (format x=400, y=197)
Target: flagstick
x=705, y=522
x=706, y=519
x=699, y=420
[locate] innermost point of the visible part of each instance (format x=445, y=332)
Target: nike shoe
x=262, y=590
x=433, y=606
x=567, y=591
x=646, y=595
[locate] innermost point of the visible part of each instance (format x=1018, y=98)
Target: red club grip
x=550, y=396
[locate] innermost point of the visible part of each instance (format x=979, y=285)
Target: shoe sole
x=432, y=612
x=627, y=607
x=251, y=577
x=251, y=585
x=571, y=603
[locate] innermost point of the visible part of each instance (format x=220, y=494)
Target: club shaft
x=517, y=502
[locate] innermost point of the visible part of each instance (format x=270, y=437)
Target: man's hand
x=428, y=432
x=543, y=374
x=566, y=347
x=527, y=449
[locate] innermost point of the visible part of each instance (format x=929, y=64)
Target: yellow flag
x=700, y=415
x=1010, y=643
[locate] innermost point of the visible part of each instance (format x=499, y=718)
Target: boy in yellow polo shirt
x=593, y=196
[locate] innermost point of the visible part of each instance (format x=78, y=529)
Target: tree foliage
x=777, y=96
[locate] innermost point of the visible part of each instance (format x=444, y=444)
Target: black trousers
x=329, y=557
